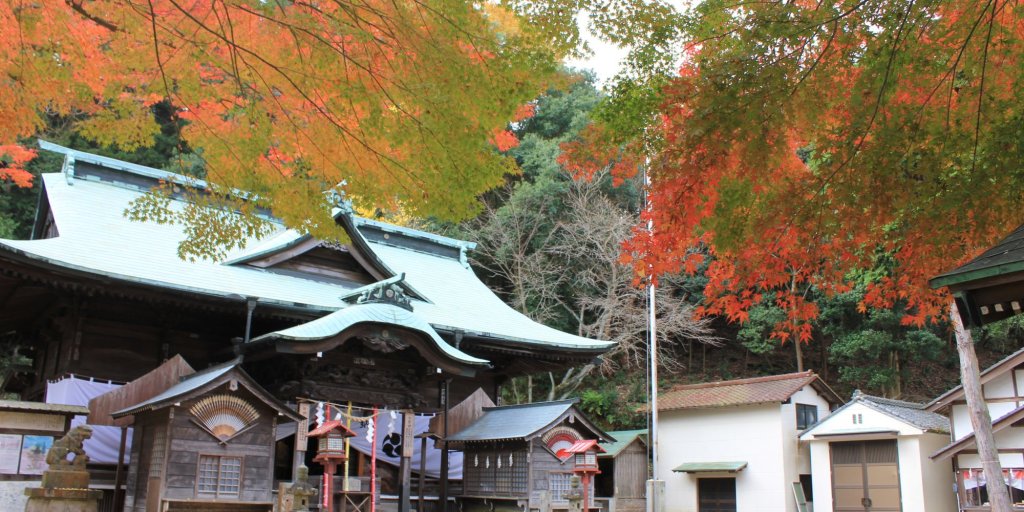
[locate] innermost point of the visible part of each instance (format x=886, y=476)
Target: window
x=806, y=415
x=219, y=475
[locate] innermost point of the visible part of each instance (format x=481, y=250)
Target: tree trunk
x=981, y=421
x=799, y=354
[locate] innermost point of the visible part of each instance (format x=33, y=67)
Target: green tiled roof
x=709, y=467
x=623, y=438
x=95, y=239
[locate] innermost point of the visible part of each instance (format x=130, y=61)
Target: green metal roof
x=1006, y=257
x=623, y=438
x=710, y=467
x=334, y=323
x=95, y=239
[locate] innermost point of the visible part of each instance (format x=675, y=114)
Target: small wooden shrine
x=519, y=456
x=206, y=441
x=624, y=465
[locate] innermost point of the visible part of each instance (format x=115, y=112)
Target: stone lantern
x=330, y=451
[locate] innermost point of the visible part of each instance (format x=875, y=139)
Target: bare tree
x=574, y=266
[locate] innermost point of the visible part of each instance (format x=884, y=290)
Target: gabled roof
x=969, y=441
x=204, y=381
x=910, y=413
x=582, y=446
x=1004, y=365
x=96, y=243
x=523, y=422
x=757, y=390
x=1006, y=257
x=913, y=413
x=623, y=438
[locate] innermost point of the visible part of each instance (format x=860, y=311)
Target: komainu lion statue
x=70, y=444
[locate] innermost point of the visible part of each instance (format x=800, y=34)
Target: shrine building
x=393, y=319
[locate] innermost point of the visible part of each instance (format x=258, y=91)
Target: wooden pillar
x=301, y=440
x=405, y=463
x=423, y=468
x=119, y=473
x=443, y=489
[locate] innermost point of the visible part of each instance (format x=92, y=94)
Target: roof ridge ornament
x=388, y=291
x=69, y=169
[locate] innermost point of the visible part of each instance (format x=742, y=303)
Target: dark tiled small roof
x=1003, y=258
x=513, y=421
x=910, y=412
x=757, y=390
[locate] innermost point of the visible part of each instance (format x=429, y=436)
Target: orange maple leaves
x=12, y=165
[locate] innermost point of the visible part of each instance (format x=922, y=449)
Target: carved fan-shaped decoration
x=561, y=438
x=224, y=415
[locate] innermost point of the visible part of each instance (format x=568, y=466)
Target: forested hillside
x=551, y=245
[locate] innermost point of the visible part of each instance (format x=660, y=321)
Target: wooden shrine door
x=865, y=476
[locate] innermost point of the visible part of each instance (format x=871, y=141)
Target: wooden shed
x=515, y=456
x=624, y=467
x=205, y=443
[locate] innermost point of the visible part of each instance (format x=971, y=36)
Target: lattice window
x=559, y=485
x=219, y=475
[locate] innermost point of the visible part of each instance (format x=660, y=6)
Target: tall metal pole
x=655, y=487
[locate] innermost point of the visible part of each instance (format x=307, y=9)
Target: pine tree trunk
x=981, y=421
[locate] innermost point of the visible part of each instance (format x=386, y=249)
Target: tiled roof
x=513, y=421
x=1003, y=258
x=910, y=412
x=96, y=239
x=757, y=390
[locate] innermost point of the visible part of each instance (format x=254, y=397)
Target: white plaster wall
x=1019, y=375
x=1006, y=460
x=798, y=455
x=821, y=475
x=872, y=421
x=961, y=421
x=751, y=433
x=999, y=387
x=937, y=476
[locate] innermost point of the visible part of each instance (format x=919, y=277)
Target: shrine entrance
x=865, y=476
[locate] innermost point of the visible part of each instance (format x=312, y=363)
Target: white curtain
x=102, y=448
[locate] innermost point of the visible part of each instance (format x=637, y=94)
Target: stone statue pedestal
x=41, y=499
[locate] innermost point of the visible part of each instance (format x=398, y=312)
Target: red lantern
x=584, y=454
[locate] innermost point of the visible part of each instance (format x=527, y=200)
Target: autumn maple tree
x=387, y=103
x=803, y=141
x=382, y=101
